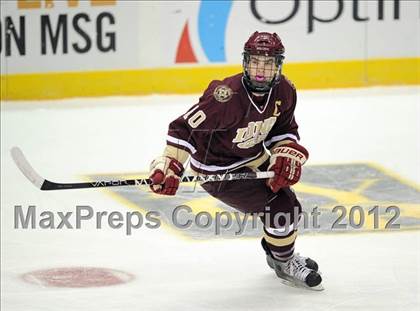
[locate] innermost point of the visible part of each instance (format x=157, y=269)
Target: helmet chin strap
x=277, y=75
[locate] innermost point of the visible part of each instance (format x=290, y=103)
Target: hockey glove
x=165, y=173
x=286, y=161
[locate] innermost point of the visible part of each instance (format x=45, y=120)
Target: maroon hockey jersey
x=228, y=128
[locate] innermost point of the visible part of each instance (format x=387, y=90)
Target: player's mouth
x=259, y=78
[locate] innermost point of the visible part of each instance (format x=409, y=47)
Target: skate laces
x=296, y=267
x=301, y=259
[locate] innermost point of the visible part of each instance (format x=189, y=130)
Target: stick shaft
x=44, y=184
x=48, y=185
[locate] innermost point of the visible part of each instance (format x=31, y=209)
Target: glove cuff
x=167, y=163
x=176, y=166
x=293, y=151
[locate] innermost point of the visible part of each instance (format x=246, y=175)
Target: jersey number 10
x=196, y=119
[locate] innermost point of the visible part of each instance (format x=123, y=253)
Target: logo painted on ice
x=212, y=22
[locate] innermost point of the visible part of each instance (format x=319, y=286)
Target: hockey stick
x=44, y=184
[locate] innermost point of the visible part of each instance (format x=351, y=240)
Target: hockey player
x=231, y=128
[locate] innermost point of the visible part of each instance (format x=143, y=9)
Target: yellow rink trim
x=187, y=80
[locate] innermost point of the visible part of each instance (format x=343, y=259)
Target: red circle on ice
x=77, y=277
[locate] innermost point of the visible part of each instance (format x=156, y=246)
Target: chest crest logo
x=254, y=133
x=277, y=112
x=222, y=93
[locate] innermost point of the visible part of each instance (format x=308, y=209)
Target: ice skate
x=298, y=271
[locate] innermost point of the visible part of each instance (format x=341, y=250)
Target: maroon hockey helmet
x=265, y=44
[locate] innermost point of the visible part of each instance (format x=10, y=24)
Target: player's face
x=261, y=68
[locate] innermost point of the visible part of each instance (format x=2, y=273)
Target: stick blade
x=26, y=169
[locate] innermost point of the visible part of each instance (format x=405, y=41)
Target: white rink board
x=148, y=34
x=106, y=38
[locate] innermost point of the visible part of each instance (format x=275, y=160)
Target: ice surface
x=70, y=139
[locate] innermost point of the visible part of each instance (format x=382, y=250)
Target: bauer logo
x=212, y=21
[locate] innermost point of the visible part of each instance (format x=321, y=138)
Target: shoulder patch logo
x=223, y=93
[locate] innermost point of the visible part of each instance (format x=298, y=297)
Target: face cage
x=262, y=86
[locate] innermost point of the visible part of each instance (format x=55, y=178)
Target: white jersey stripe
x=181, y=142
x=281, y=254
x=280, y=138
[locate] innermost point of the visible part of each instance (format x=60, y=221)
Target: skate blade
x=317, y=288
x=285, y=279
